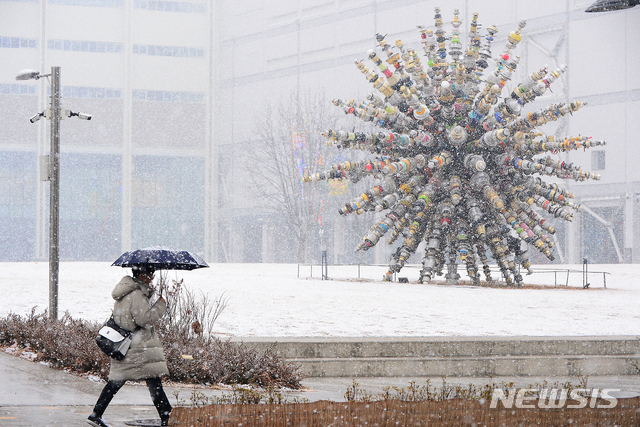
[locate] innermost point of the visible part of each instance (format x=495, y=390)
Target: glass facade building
x=133, y=176
x=17, y=205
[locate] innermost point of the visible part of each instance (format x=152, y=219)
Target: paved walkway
x=32, y=394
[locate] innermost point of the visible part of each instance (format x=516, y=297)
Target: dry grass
x=393, y=413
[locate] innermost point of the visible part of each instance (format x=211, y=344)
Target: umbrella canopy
x=161, y=258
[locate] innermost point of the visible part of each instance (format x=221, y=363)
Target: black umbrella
x=161, y=258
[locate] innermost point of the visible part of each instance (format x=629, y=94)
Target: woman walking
x=145, y=359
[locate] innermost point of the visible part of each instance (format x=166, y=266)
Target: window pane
x=597, y=160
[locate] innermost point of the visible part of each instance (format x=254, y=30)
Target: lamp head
x=611, y=5
x=28, y=74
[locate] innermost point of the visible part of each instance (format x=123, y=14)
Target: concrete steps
x=458, y=357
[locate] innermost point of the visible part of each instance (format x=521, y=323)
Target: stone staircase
x=458, y=356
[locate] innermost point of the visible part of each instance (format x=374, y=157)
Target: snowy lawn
x=270, y=300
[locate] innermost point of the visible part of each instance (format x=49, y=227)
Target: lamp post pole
x=52, y=167
x=54, y=196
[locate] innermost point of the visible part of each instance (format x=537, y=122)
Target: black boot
x=96, y=421
x=109, y=390
x=160, y=399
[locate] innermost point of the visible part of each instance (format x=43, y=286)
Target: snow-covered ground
x=276, y=300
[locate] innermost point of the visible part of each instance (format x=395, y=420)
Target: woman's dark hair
x=142, y=269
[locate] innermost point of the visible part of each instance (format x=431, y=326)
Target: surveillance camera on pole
x=82, y=116
x=36, y=117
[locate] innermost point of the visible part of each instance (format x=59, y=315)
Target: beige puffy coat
x=145, y=358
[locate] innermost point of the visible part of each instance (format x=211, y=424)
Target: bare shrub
x=211, y=361
x=193, y=354
x=189, y=313
x=64, y=344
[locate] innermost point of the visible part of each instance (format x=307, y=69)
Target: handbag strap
x=124, y=329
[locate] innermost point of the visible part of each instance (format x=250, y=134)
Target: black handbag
x=114, y=340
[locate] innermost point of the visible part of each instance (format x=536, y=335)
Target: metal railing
x=567, y=271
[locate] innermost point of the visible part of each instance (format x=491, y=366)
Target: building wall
x=133, y=176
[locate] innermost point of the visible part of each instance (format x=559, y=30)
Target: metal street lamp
x=54, y=113
x=610, y=5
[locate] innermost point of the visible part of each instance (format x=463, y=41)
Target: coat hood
x=127, y=285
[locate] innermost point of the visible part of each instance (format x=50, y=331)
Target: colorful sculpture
x=457, y=162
